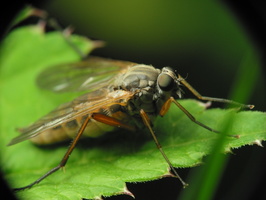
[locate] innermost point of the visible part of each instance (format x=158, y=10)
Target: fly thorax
x=138, y=77
x=143, y=99
x=152, y=88
x=141, y=80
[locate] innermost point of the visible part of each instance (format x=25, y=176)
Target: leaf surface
x=99, y=166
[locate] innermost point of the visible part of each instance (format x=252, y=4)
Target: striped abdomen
x=68, y=130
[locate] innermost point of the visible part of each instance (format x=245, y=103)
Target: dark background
x=204, y=62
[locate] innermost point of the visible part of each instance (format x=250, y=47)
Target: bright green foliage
x=98, y=166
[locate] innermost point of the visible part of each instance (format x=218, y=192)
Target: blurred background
x=210, y=42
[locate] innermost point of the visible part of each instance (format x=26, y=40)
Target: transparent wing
x=90, y=74
x=81, y=106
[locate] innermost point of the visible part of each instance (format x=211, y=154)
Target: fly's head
x=168, y=83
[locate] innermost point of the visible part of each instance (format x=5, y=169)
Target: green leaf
x=98, y=166
x=25, y=13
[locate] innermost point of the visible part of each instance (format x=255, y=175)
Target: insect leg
x=111, y=121
x=65, y=158
x=166, y=107
x=96, y=116
x=146, y=121
x=199, y=96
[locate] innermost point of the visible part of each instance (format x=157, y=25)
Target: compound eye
x=166, y=82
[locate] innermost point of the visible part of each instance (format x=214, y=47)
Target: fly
x=121, y=95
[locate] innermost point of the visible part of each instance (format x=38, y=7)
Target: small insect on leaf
x=130, y=98
x=118, y=95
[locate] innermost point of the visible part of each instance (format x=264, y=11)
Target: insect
x=121, y=95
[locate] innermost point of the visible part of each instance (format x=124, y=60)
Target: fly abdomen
x=51, y=136
x=69, y=129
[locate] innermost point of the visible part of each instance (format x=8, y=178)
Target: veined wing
x=90, y=74
x=81, y=106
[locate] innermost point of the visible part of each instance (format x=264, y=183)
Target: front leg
x=167, y=105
